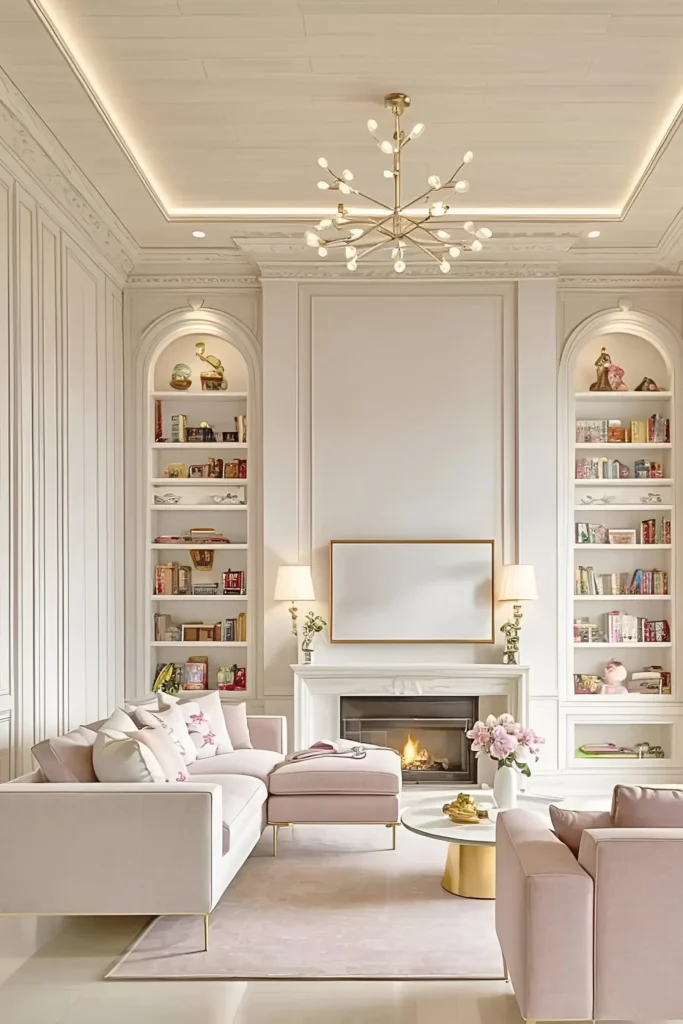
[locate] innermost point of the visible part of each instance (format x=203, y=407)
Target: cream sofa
x=109, y=848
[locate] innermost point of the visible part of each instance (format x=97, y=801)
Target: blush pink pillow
x=67, y=758
x=238, y=727
x=570, y=825
x=647, y=807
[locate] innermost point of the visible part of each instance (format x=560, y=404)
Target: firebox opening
x=427, y=732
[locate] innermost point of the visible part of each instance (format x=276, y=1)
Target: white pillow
x=120, y=758
x=161, y=744
x=172, y=721
x=205, y=723
x=119, y=721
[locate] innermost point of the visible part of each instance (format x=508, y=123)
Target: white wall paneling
x=61, y=457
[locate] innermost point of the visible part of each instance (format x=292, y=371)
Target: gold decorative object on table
x=464, y=811
x=213, y=379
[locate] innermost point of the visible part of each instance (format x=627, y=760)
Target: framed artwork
x=199, y=471
x=621, y=536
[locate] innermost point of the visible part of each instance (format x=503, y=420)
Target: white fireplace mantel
x=318, y=689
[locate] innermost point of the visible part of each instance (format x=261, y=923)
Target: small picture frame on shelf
x=587, y=684
x=622, y=536
x=195, y=675
x=198, y=471
x=176, y=471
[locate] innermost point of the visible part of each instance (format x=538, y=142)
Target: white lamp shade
x=517, y=583
x=294, y=583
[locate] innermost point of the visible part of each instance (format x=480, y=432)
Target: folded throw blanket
x=330, y=748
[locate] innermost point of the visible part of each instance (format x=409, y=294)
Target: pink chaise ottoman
x=336, y=791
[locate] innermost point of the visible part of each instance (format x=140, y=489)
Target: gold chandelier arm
x=414, y=241
x=372, y=248
x=371, y=199
x=447, y=184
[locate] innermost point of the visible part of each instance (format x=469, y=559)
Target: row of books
x=622, y=628
x=226, y=630
x=655, y=531
x=614, y=469
x=655, y=429
x=172, y=578
x=642, y=581
x=193, y=675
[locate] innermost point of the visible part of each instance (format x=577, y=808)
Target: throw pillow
x=67, y=758
x=205, y=723
x=570, y=825
x=172, y=721
x=238, y=727
x=119, y=721
x=161, y=744
x=647, y=807
x=119, y=758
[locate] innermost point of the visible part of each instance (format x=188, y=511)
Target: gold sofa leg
x=393, y=827
x=206, y=933
x=275, y=828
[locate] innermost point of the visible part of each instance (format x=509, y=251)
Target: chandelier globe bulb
x=388, y=174
x=461, y=186
x=454, y=252
x=399, y=266
x=484, y=233
x=434, y=181
x=417, y=130
x=443, y=235
x=351, y=265
x=312, y=239
x=325, y=223
x=344, y=188
x=323, y=185
x=372, y=126
x=356, y=232
x=322, y=251
x=347, y=175
x=476, y=246
x=350, y=251
x=468, y=157
x=386, y=147
x=468, y=226
x=322, y=162
x=444, y=267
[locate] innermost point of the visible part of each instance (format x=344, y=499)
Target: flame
x=412, y=753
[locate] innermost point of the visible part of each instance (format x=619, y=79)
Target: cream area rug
x=336, y=903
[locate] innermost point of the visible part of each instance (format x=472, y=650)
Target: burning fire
x=413, y=757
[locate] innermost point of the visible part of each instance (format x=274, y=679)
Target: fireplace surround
x=428, y=732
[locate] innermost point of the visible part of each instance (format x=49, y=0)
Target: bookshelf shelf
x=600, y=509
x=202, y=396
x=618, y=598
x=632, y=643
x=622, y=547
x=622, y=396
x=642, y=481
x=169, y=411
x=198, y=446
x=207, y=643
x=199, y=597
x=199, y=508
x=209, y=481
x=579, y=445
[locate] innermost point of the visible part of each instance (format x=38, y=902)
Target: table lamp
x=294, y=583
x=517, y=584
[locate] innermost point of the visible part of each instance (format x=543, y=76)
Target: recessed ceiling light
x=202, y=234
x=593, y=234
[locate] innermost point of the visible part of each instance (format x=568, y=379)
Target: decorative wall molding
x=610, y=282
x=193, y=281
x=417, y=272
x=30, y=141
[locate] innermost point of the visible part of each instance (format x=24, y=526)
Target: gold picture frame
x=490, y=619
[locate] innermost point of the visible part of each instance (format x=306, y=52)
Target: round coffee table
x=471, y=859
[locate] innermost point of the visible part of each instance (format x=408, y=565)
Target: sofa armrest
x=638, y=913
x=109, y=848
x=544, y=919
x=268, y=732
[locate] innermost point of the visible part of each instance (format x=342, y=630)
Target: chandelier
x=398, y=231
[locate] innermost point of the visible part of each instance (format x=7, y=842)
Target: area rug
x=336, y=903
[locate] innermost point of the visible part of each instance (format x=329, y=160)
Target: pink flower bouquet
x=506, y=741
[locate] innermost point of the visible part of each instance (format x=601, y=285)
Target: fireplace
x=428, y=732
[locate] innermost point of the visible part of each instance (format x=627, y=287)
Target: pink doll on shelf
x=615, y=376
x=615, y=674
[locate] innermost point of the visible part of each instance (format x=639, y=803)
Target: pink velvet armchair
x=595, y=938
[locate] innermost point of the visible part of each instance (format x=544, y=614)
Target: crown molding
x=201, y=281
x=610, y=282
x=417, y=272
x=29, y=140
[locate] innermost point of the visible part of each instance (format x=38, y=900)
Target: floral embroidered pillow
x=205, y=723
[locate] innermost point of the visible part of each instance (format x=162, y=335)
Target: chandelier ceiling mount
x=403, y=228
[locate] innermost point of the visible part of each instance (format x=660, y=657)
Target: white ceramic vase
x=505, y=788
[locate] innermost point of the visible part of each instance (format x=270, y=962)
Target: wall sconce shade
x=517, y=583
x=294, y=583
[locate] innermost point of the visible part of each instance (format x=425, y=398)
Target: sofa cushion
x=118, y=720
x=120, y=758
x=378, y=773
x=161, y=745
x=238, y=727
x=173, y=722
x=243, y=797
x=67, y=758
x=255, y=763
x=570, y=825
x=205, y=723
x=647, y=807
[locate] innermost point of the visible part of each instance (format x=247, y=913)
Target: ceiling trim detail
x=87, y=78
x=31, y=142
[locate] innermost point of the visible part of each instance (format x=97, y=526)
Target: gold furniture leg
x=393, y=836
x=206, y=933
x=505, y=970
x=470, y=871
x=275, y=828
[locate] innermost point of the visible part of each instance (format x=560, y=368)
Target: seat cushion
x=378, y=774
x=255, y=763
x=647, y=807
x=243, y=798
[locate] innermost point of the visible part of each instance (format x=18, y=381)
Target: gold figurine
x=213, y=379
x=464, y=811
x=601, y=363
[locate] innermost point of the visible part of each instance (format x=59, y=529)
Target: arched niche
x=168, y=340
x=644, y=346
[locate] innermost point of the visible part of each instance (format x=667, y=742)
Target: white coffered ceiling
x=181, y=111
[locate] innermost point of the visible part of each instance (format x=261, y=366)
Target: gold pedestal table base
x=470, y=871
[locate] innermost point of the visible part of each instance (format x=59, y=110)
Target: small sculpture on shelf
x=213, y=379
x=615, y=674
x=651, y=498
x=166, y=499
x=464, y=811
x=610, y=377
x=511, y=631
x=648, y=384
x=181, y=377
x=588, y=499
x=312, y=624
